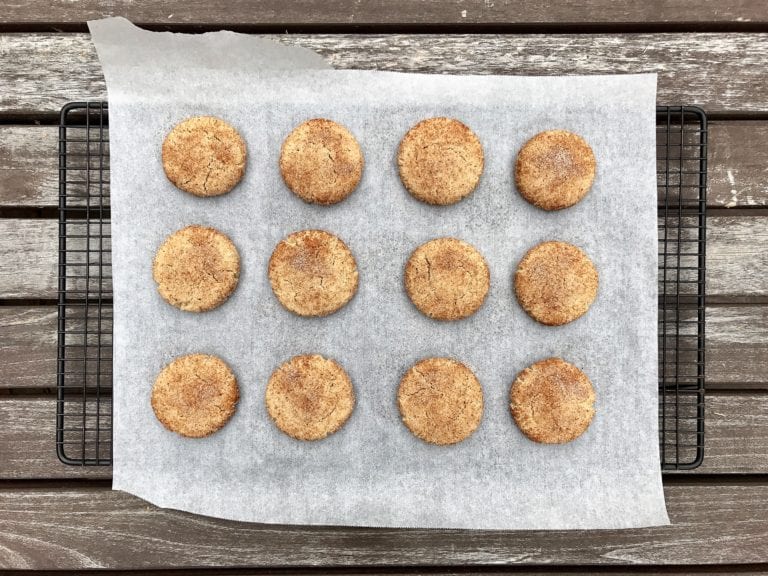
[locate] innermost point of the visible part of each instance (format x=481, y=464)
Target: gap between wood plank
x=52, y=212
x=29, y=212
x=727, y=300
x=551, y=28
x=43, y=118
x=28, y=302
x=671, y=478
x=738, y=388
x=526, y=570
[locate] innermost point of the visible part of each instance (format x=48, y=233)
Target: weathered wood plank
x=29, y=168
x=28, y=258
x=736, y=433
x=736, y=438
x=738, y=165
x=384, y=12
x=721, y=72
x=737, y=346
x=99, y=528
x=27, y=442
x=28, y=347
x=736, y=258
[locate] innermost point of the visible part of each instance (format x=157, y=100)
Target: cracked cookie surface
x=195, y=395
x=440, y=400
x=555, y=169
x=321, y=161
x=310, y=397
x=204, y=156
x=552, y=401
x=440, y=161
x=447, y=279
x=556, y=283
x=196, y=268
x=313, y=273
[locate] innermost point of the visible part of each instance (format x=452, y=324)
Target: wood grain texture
x=99, y=528
x=28, y=258
x=28, y=347
x=384, y=12
x=736, y=433
x=738, y=165
x=737, y=261
x=29, y=166
x=737, y=346
x=736, y=258
x=721, y=72
x=736, y=438
x=28, y=442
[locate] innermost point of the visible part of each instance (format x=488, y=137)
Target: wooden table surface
x=713, y=54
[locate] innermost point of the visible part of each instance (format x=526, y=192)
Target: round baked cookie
x=440, y=400
x=440, y=161
x=310, y=397
x=555, y=169
x=447, y=279
x=556, y=283
x=196, y=268
x=204, y=156
x=195, y=395
x=552, y=401
x=313, y=273
x=321, y=162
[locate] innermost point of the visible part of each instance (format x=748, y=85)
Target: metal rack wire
x=84, y=383
x=682, y=182
x=84, y=406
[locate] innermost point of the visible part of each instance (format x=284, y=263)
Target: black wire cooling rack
x=681, y=145
x=84, y=384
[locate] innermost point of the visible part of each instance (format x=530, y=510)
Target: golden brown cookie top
x=321, y=162
x=440, y=161
x=555, y=169
x=552, y=401
x=556, y=283
x=447, y=279
x=196, y=268
x=313, y=273
x=310, y=397
x=440, y=400
x=195, y=395
x=204, y=156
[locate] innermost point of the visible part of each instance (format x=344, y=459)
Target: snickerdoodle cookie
x=195, y=395
x=440, y=400
x=440, y=161
x=310, y=397
x=556, y=283
x=313, y=273
x=196, y=268
x=447, y=279
x=552, y=401
x=204, y=156
x=321, y=162
x=555, y=169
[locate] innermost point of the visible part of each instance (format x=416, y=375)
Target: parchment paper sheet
x=374, y=472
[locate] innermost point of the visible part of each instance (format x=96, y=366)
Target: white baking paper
x=374, y=472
